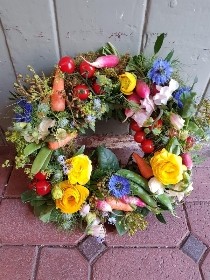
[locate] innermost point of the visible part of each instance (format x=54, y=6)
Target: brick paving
x=32, y=250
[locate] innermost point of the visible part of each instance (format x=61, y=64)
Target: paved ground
x=30, y=249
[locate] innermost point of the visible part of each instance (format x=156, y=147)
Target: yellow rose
x=167, y=167
x=128, y=83
x=73, y=197
x=80, y=169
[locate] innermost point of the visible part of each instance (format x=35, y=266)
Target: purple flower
x=161, y=71
x=178, y=94
x=24, y=112
x=119, y=186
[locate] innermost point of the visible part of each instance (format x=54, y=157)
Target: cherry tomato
x=67, y=64
x=97, y=88
x=81, y=91
x=153, y=89
x=158, y=124
x=139, y=136
x=86, y=70
x=134, y=126
x=190, y=141
x=42, y=187
x=40, y=176
x=147, y=146
x=32, y=184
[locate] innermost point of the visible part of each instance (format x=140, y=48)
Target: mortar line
x=36, y=263
x=8, y=49
x=146, y=16
x=56, y=28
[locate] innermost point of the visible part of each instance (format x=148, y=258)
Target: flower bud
x=90, y=217
x=177, y=121
x=57, y=192
x=156, y=186
x=97, y=230
x=103, y=206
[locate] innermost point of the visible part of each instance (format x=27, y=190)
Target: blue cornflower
x=90, y=119
x=178, y=93
x=24, y=112
x=97, y=104
x=160, y=72
x=119, y=186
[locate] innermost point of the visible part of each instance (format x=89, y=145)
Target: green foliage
x=159, y=42
x=107, y=160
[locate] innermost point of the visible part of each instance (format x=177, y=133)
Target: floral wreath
x=74, y=187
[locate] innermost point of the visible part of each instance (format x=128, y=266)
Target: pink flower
x=165, y=92
x=103, y=206
x=133, y=200
x=187, y=161
x=176, y=121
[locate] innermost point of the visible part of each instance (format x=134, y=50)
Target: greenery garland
x=76, y=187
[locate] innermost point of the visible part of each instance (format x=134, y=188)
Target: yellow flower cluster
x=167, y=167
x=71, y=194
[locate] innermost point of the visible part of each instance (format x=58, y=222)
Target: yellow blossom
x=128, y=83
x=73, y=197
x=167, y=167
x=80, y=169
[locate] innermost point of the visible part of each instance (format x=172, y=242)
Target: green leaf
x=28, y=196
x=173, y=146
x=45, y=214
x=120, y=224
x=192, y=126
x=107, y=159
x=161, y=218
x=158, y=43
x=80, y=151
x=189, y=105
x=169, y=56
x=55, y=215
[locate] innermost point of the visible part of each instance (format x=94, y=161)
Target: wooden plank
x=87, y=25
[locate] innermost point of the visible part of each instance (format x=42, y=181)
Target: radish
x=133, y=201
x=134, y=98
x=142, y=89
x=108, y=61
x=187, y=160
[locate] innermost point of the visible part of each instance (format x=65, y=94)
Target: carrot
x=144, y=168
x=118, y=205
x=54, y=145
x=57, y=95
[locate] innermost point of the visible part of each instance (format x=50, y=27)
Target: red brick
x=17, y=262
x=145, y=264
x=199, y=218
x=201, y=179
x=17, y=184
x=206, y=267
x=62, y=263
x=20, y=226
x=157, y=234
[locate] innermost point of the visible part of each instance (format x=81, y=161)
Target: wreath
x=73, y=186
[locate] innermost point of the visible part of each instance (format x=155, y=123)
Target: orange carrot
x=57, y=95
x=54, y=145
x=118, y=205
x=144, y=168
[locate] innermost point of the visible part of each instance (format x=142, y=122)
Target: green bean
x=132, y=176
x=40, y=159
x=166, y=201
x=30, y=148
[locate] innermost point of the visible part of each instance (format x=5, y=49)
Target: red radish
x=142, y=89
x=57, y=99
x=129, y=113
x=134, y=98
x=187, y=161
x=66, y=64
x=103, y=206
x=190, y=141
x=133, y=200
x=108, y=61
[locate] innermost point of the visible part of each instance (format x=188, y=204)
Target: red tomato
x=81, y=91
x=40, y=176
x=139, y=136
x=158, y=124
x=42, y=187
x=134, y=126
x=67, y=64
x=97, y=88
x=153, y=89
x=147, y=146
x=86, y=70
x=32, y=184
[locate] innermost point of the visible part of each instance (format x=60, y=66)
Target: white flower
x=177, y=121
x=165, y=92
x=177, y=191
x=156, y=186
x=97, y=230
x=43, y=127
x=85, y=210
